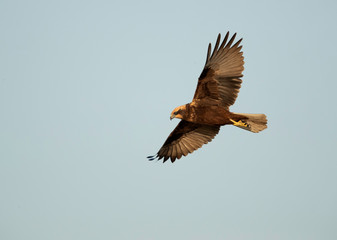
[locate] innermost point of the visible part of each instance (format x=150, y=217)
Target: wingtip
x=229, y=44
x=151, y=158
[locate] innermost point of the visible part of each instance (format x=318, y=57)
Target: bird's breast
x=210, y=115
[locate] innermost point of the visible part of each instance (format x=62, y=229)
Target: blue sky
x=86, y=91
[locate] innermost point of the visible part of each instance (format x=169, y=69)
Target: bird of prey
x=217, y=89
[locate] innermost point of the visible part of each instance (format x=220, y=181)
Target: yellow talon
x=239, y=123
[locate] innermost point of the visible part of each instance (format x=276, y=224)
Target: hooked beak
x=172, y=116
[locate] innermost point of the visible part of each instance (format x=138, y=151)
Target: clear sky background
x=86, y=91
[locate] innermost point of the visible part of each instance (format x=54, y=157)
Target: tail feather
x=255, y=122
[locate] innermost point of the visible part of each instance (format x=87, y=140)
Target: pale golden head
x=177, y=112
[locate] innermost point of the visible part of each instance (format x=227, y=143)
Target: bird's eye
x=176, y=112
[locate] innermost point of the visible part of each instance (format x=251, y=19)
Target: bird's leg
x=239, y=123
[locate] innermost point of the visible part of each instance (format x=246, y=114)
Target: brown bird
x=217, y=89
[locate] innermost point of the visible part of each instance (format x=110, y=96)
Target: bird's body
x=217, y=89
x=209, y=115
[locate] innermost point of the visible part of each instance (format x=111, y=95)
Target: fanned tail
x=253, y=122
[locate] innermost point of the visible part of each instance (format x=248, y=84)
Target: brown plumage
x=217, y=89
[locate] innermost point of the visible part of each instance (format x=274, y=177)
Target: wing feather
x=169, y=152
x=187, y=145
x=179, y=151
x=174, y=151
x=216, y=45
x=208, y=52
x=219, y=83
x=183, y=148
x=184, y=139
x=224, y=41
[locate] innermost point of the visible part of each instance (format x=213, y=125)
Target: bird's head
x=177, y=112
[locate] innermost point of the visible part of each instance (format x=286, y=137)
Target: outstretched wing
x=219, y=82
x=184, y=139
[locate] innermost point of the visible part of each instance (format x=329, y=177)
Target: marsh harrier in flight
x=217, y=89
